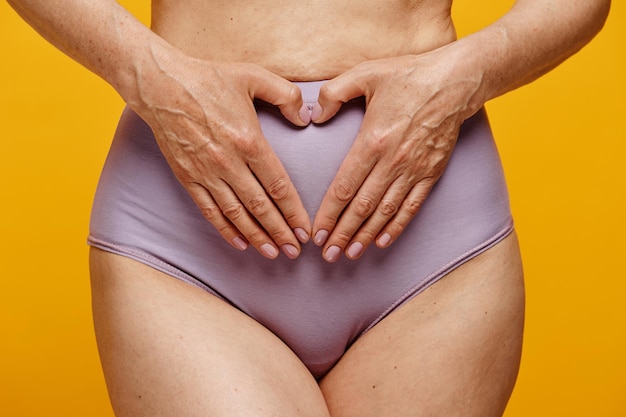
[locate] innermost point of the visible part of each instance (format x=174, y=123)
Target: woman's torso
x=303, y=40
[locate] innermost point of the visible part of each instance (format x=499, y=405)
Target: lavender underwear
x=318, y=309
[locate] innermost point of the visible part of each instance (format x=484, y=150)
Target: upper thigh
x=168, y=348
x=453, y=350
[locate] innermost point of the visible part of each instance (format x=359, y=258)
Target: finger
x=336, y=92
x=238, y=214
x=407, y=211
x=284, y=94
x=211, y=211
x=257, y=211
x=272, y=175
x=349, y=178
x=387, y=207
x=356, y=214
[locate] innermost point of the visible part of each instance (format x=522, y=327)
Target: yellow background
x=563, y=143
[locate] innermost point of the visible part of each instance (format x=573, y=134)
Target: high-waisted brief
x=318, y=309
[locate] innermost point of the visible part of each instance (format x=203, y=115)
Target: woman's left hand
x=415, y=108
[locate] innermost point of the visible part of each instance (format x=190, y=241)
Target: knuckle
x=377, y=142
x=409, y=153
x=233, y=210
x=388, y=208
x=221, y=160
x=255, y=236
x=327, y=90
x=224, y=229
x=279, y=235
x=366, y=237
x=344, y=189
x=258, y=206
x=397, y=226
x=440, y=164
x=329, y=219
x=412, y=206
x=291, y=217
x=211, y=212
x=209, y=152
x=278, y=189
x=342, y=237
x=184, y=177
x=363, y=205
x=293, y=93
x=401, y=156
x=247, y=142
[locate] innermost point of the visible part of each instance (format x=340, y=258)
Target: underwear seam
x=443, y=271
x=435, y=276
x=151, y=261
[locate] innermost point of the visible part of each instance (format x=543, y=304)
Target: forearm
x=101, y=35
x=530, y=40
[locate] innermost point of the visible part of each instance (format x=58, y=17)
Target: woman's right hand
x=204, y=121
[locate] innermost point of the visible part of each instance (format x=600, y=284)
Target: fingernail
x=316, y=112
x=320, y=237
x=305, y=114
x=301, y=234
x=355, y=250
x=332, y=253
x=290, y=250
x=384, y=240
x=269, y=250
x=239, y=243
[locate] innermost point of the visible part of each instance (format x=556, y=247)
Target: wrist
x=134, y=65
x=464, y=73
x=485, y=58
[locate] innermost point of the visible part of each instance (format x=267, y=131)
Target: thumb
x=334, y=93
x=284, y=94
